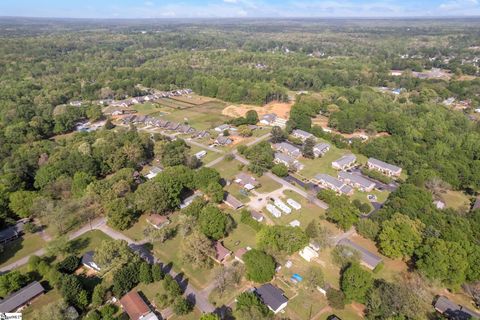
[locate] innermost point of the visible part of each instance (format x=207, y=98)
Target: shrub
x=157, y=272
x=280, y=170
x=69, y=264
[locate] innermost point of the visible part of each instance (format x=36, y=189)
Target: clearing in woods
x=281, y=109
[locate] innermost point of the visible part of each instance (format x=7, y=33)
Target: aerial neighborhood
x=239, y=169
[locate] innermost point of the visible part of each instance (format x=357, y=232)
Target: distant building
x=383, y=167
x=223, y=127
x=356, y=181
x=302, y=135
x=288, y=149
x=332, y=183
x=158, y=221
x=288, y=161
x=200, y=154
x=89, y=262
x=345, y=162
x=201, y=134
x=133, y=304
x=12, y=232
x=320, y=149
x=367, y=258
x=454, y=311
x=21, y=297
x=223, y=141
x=272, y=297
x=246, y=181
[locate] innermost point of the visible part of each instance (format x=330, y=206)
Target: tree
x=59, y=246
x=281, y=239
x=340, y=210
x=109, y=125
x=280, y=170
x=56, y=310
x=174, y=153
x=145, y=273
x=312, y=229
x=314, y=278
x=98, y=295
x=336, y=298
x=157, y=272
x=251, y=117
x=12, y=281
x=368, y=228
x=113, y=254
x=198, y=249
x=278, y=135
x=120, y=215
x=80, y=182
x=213, y=222
x=245, y=131
x=260, y=267
x=343, y=255
x=69, y=264
x=182, y=306
x=355, y=283
x=21, y=202
x=72, y=291
x=249, y=306
x=125, y=278
x=210, y=316
x=307, y=150
x=400, y=236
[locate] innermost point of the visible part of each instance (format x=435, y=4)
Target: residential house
x=158, y=221
x=345, y=162
x=451, y=310
x=320, y=149
x=302, y=135
x=332, y=183
x=22, y=297
x=288, y=149
x=162, y=123
x=239, y=254
x=200, y=154
x=12, y=232
x=138, y=100
x=223, y=141
x=133, y=304
x=308, y=253
x=142, y=252
x=150, y=97
x=288, y=161
x=201, y=134
x=221, y=253
x=223, y=127
x=246, y=181
x=383, y=167
x=367, y=258
x=188, y=200
x=232, y=201
x=356, y=181
x=184, y=128
x=268, y=119
x=256, y=216
x=272, y=297
x=173, y=126
x=89, y=262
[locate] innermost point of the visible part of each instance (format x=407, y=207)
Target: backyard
x=19, y=248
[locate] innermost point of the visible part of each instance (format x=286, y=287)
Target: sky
x=237, y=8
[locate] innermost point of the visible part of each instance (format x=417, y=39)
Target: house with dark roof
x=221, y=253
x=201, y=134
x=288, y=149
x=320, y=149
x=232, y=201
x=223, y=141
x=12, y=232
x=142, y=252
x=22, y=297
x=173, y=126
x=302, y=135
x=272, y=297
x=383, y=167
x=256, y=216
x=367, y=258
x=345, y=162
x=451, y=310
x=329, y=182
x=136, y=308
x=89, y=262
x=288, y=161
x=356, y=181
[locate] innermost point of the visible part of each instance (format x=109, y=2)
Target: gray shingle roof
x=271, y=296
x=367, y=257
x=302, y=133
x=453, y=310
x=12, y=231
x=232, y=201
x=384, y=165
x=355, y=178
x=330, y=180
x=287, y=147
x=21, y=297
x=284, y=157
x=345, y=160
x=321, y=146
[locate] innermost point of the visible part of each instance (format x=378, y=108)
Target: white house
x=302, y=135
x=320, y=149
x=345, y=162
x=383, y=167
x=308, y=253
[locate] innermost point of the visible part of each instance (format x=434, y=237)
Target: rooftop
x=453, y=310
x=232, y=201
x=355, y=178
x=220, y=251
x=21, y=297
x=384, y=165
x=330, y=180
x=366, y=256
x=321, y=146
x=345, y=160
x=287, y=146
x=271, y=296
x=12, y=231
x=134, y=305
x=284, y=157
x=302, y=133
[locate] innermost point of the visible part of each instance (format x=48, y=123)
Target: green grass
x=135, y=232
x=89, y=241
x=267, y=184
x=194, y=315
x=49, y=297
x=20, y=248
x=362, y=196
x=151, y=290
x=148, y=108
x=241, y=237
x=228, y=169
x=236, y=190
x=456, y=200
x=201, y=117
x=211, y=155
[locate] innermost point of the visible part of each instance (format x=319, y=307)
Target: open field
x=228, y=169
x=200, y=117
x=267, y=185
x=456, y=200
x=193, y=99
x=241, y=237
x=281, y=109
x=19, y=248
x=135, y=232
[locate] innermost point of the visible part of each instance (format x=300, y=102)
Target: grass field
x=228, y=169
x=456, y=200
x=147, y=108
x=135, y=232
x=194, y=315
x=49, y=297
x=200, y=117
x=267, y=184
x=211, y=155
x=88, y=241
x=241, y=237
x=20, y=248
x=237, y=191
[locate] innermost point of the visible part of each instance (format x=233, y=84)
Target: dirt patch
x=193, y=99
x=281, y=109
x=322, y=121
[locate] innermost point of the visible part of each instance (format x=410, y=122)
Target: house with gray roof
x=223, y=127
x=268, y=119
x=223, y=141
x=12, y=232
x=367, y=258
x=89, y=262
x=201, y=134
x=185, y=128
x=302, y=135
x=332, y=183
x=383, y=167
x=173, y=126
x=288, y=148
x=272, y=297
x=356, y=181
x=345, y=162
x=288, y=161
x=232, y=201
x=451, y=310
x=320, y=149
x=21, y=297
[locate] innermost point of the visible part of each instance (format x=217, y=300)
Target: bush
x=182, y=306
x=157, y=272
x=280, y=170
x=260, y=267
x=145, y=273
x=69, y=264
x=33, y=262
x=229, y=157
x=379, y=267
x=336, y=298
x=368, y=228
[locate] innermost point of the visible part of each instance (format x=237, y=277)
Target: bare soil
x=281, y=109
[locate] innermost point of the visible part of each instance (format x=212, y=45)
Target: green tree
x=12, y=281
x=278, y=135
x=210, y=316
x=145, y=273
x=21, y=202
x=281, y=239
x=368, y=228
x=80, y=182
x=120, y=215
x=307, y=150
x=400, y=236
x=336, y=298
x=251, y=117
x=314, y=278
x=355, y=283
x=198, y=250
x=280, y=170
x=182, y=306
x=213, y=222
x=249, y=306
x=157, y=272
x=260, y=267
x=98, y=295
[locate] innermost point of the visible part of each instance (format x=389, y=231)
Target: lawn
x=241, y=237
x=20, y=248
x=49, y=297
x=228, y=169
x=135, y=232
x=238, y=192
x=194, y=315
x=151, y=290
x=148, y=108
x=209, y=157
x=362, y=196
x=201, y=117
x=456, y=200
x=305, y=215
x=89, y=241
x=267, y=184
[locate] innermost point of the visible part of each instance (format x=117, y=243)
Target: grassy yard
x=194, y=315
x=148, y=108
x=135, y=232
x=307, y=213
x=20, y=248
x=267, y=184
x=49, y=297
x=89, y=241
x=362, y=196
x=237, y=191
x=210, y=156
x=228, y=169
x=456, y=200
x=151, y=290
x=241, y=237
x=201, y=117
